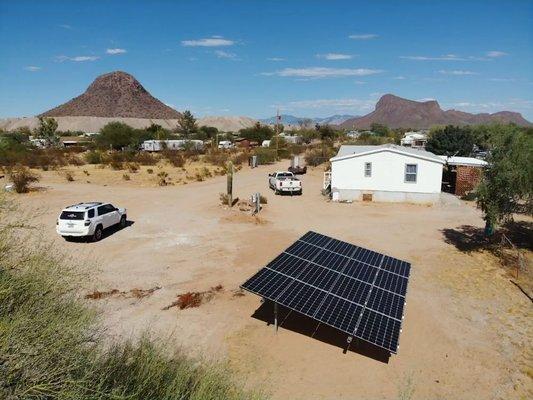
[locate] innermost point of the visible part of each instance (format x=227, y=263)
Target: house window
x=411, y=171
x=368, y=169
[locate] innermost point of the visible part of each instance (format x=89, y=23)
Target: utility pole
x=278, y=119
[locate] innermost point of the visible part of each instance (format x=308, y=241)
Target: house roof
x=347, y=151
x=468, y=161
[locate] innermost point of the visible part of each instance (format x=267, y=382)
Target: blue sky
x=309, y=58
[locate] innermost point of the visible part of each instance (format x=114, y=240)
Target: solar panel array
x=353, y=289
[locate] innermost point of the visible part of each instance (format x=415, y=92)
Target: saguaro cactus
x=229, y=185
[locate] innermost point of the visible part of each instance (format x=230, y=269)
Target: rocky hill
x=227, y=123
x=396, y=112
x=114, y=95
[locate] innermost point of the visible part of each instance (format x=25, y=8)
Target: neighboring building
x=225, y=144
x=416, y=140
x=294, y=139
x=178, y=144
x=462, y=174
x=386, y=173
x=245, y=143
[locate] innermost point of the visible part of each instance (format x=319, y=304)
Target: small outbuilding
x=462, y=174
x=387, y=173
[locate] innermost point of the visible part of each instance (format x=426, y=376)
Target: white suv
x=89, y=220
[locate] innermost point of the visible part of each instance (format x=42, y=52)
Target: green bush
x=265, y=155
x=94, y=157
x=52, y=348
x=22, y=178
x=319, y=155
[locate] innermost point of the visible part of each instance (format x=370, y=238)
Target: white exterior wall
x=387, y=183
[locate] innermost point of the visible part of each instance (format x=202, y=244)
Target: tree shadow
x=299, y=323
x=468, y=238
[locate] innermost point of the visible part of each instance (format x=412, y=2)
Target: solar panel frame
x=339, y=284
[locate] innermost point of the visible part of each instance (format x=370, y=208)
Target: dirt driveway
x=459, y=340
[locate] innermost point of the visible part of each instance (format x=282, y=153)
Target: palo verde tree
x=507, y=184
x=451, y=141
x=47, y=130
x=187, y=124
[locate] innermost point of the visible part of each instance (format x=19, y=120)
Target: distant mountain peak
x=116, y=94
x=397, y=112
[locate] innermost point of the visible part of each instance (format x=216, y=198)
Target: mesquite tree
x=507, y=184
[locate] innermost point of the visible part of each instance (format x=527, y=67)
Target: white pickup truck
x=284, y=182
x=89, y=220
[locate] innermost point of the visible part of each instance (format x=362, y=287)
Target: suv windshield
x=72, y=215
x=285, y=175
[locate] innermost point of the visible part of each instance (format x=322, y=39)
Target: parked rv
x=177, y=144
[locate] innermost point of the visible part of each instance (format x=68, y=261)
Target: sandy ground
x=467, y=330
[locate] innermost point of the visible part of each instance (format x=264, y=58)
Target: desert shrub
x=116, y=165
x=174, y=158
x=217, y=157
x=202, y=174
x=52, y=347
x=126, y=177
x=319, y=155
x=150, y=171
x=224, y=199
x=240, y=158
x=162, y=178
x=69, y=176
x=86, y=172
x=144, y=158
x=263, y=199
x=94, y=157
x=265, y=155
x=22, y=178
x=132, y=167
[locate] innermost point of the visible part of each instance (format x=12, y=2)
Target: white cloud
x=496, y=54
x=359, y=82
x=424, y=99
x=275, y=59
x=116, y=51
x=445, y=57
x=399, y=78
x=335, y=56
x=65, y=26
x=501, y=79
x=225, y=54
x=213, y=41
x=32, y=68
x=364, y=36
x=457, y=72
x=77, y=58
x=322, y=72
x=513, y=104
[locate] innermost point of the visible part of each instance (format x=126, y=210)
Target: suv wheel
x=123, y=222
x=98, y=233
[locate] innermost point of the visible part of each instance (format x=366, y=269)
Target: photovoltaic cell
x=356, y=290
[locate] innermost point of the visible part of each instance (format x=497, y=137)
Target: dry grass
x=136, y=293
x=194, y=299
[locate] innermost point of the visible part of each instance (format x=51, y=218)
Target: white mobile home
x=385, y=173
x=159, y=145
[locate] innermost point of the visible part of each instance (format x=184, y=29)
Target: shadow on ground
x=107, y=233
x=469, y=238
x=304, y=325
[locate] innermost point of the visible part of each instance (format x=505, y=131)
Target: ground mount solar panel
x=355, y=290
